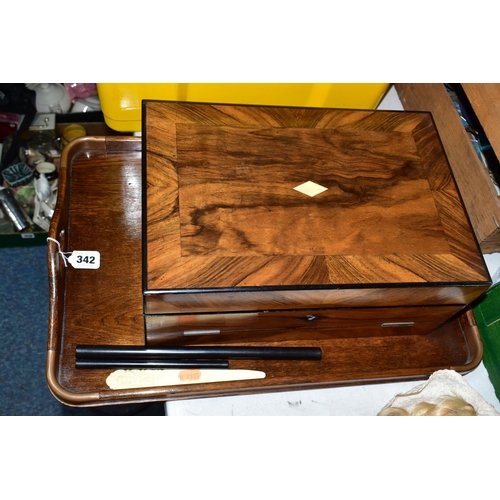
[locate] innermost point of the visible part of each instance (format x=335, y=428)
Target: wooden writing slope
x=99, y=208
x=256, y=216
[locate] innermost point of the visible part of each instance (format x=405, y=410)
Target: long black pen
x=196, y=352
x=171, y=363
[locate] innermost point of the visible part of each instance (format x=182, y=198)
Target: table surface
x=362, y=400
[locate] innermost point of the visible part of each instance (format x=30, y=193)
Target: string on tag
x=61, y=253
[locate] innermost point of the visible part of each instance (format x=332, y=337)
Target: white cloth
x=441, y=384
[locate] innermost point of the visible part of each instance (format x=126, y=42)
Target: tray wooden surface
x=100, y=208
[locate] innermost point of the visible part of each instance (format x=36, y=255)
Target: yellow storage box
x=121, y=103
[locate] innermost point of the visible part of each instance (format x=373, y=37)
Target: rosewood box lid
x=281, y=203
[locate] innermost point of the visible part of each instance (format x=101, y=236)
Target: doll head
x=447, y=406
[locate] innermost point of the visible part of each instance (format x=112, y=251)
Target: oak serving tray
x=311, y=218
x=100, y=208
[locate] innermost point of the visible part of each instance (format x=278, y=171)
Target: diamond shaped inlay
x=310, y=188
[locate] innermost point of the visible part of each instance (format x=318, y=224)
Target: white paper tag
x=85, y=259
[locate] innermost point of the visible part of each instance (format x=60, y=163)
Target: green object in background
x=487, y=314
x=25, y=195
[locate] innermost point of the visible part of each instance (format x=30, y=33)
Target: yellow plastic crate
x=121, y=103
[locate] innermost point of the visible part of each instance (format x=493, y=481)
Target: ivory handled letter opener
x=136, y=379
